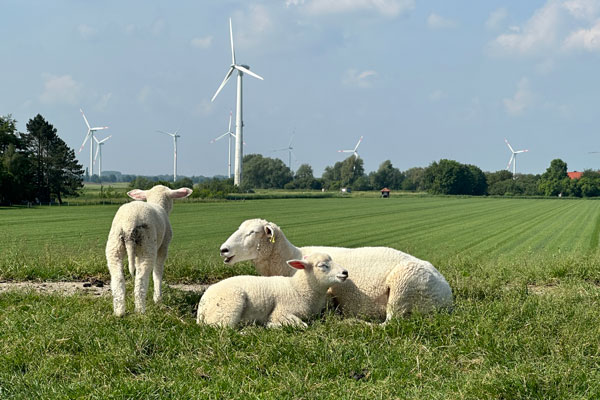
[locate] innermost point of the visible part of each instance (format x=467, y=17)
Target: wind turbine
x=353, y=150
x=174, y=136
x=290, y=152
x=100, y=143
x=90, y=134
x=230, y=135
x=241, y=70
x=513, y=158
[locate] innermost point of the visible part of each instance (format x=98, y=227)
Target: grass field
x=524, y=273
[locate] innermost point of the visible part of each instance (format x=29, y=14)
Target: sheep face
x=326, y=272
x=245, y=243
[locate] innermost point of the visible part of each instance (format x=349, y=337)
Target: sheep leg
x=279, y=320
x=142, y=278
x=157, y=273
x=115, y=252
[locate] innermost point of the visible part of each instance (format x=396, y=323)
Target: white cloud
x=204, y=108
x=435, y=21
x=201, y=42
x=496, y=18
x=437, y=95
x=353, y=77
x=60, y=89
x=158, y=26
x=585, y=39
x=103, y=102
x=538, y=33
x=522, y=99
x=86, y=31
x=252, y=25
x=388, y=8
x=583, y=9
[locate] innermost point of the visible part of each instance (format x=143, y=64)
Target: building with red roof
x=575, y=174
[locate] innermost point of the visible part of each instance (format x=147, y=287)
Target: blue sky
x=420, y=80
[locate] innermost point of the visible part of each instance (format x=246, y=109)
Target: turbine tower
x=290, y=152
x=90, y=134
x=513, y=158
x=239, y=124
x=230, y=135
x=353, y=150
x=100, y=143
x=174, y=136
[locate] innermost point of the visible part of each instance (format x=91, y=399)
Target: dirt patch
x=94, y=287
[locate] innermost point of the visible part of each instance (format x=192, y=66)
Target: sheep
x=272, y=301
x=143, y=231
x=384, y=282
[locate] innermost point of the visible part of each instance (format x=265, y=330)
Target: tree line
x=36, y=166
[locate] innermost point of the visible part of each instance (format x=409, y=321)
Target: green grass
x=524, y=273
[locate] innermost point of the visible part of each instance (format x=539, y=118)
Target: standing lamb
x=384, y=282
x=143, y=231
x=274, y=301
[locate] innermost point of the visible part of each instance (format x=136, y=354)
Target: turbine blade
x=227, y=76
x=87, y=136
x=85, y=119
x=345, y=151
x=247, y=71
x=290, y=145
x=521, y=151
x=222, y=136
x=96, y=155
x=230, y=114
x=509, y=146
x=512, y=157
x=103, y=140
x=231, y=39
x=358, y=144
x=99, y=128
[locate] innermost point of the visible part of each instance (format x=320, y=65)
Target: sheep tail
x=130, y=246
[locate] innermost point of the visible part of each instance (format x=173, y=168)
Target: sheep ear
x=269, y=231
x=180, y=193
x=137, y=194
x=297, y=264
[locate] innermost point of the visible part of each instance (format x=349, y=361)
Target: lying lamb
x=274, y=301
x=384, y=282
x=143, y=231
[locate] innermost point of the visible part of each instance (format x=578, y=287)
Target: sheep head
x=160, y=195
x=253, y=238
x=325, y=271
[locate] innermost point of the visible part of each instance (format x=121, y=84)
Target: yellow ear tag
x=272, y=240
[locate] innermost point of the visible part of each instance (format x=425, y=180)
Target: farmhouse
x=385, y=192
x=575, y=174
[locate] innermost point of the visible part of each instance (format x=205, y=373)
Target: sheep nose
x=344, y=273
x=224, y=250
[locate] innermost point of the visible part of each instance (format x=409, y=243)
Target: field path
x=94, y=287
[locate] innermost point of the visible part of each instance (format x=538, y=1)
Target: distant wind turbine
x=513, y=158
x=290, y=151
x=100, y=143
x=241, y=69
x=353, y=150
x=90, y=134
x=174, y=136
x=230, y=135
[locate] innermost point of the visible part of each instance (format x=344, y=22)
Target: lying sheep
x=272, y=301
x=142, y=230
x=384, y=282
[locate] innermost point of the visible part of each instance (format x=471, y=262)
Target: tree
x=386, y=176
x=264, y=172
x=478, y=181
x=55, y=169
x=555, y=180
x=414, y=179
x=304, y=179
x=15, y=164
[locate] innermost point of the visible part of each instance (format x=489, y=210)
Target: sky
x=420, y=80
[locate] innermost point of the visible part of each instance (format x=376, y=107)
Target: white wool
x=272, y=301
x=383, y=282
x=143, y=231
